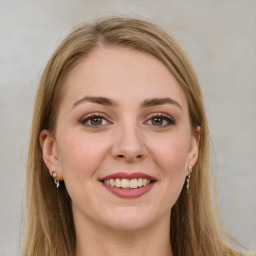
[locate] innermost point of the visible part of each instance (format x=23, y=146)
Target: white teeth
x=133, y=183
x=107, y=182
x=112, y=182
x=126, y=183
x=118, y=183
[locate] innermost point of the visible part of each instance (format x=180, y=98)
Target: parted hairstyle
x=49, y=228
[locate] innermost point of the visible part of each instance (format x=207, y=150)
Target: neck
x=94, y=240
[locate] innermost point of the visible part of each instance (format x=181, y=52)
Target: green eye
x=160, y=120
x=157, y=121
x=93, y=120
x=96, y=121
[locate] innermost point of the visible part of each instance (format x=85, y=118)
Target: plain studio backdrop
x=219, y=36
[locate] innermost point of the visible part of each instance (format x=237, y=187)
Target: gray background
x=220, y=40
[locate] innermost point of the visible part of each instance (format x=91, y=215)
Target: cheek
x=171, y=153
x=170, y=156
x=80, y=157
x=81, y=154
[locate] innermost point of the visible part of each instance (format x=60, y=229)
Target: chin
x=129, y=219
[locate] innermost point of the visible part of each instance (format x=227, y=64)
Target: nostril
x=130, y=158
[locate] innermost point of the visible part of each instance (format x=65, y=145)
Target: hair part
x=50, y=228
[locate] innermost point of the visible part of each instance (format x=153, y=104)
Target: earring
x=56, y=180
x=188, y=177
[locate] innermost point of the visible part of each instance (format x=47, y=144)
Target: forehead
x=122, y=74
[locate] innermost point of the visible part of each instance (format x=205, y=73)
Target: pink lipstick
x=128, y=185
x=125, y=175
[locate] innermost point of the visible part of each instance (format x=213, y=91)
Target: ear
x=194, y=147
x=50, y=153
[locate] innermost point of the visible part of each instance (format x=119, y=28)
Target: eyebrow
x=146, y=103
x=160, y=101
x=98, y=100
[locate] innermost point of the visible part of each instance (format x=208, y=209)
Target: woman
x=119, y=125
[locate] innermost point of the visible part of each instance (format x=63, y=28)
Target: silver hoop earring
x=55, y=178
x=188, y=177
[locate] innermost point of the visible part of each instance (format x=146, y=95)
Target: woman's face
x=123, y=123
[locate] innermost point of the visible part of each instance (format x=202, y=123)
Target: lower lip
x=129, y=192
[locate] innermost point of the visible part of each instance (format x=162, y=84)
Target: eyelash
x=92, y=116
x=161, y=116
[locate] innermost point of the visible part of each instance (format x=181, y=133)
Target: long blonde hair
x=50, y=228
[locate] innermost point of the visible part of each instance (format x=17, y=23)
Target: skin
x=127, y=139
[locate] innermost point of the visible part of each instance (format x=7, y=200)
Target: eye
x=161, y=120
x=94, y=120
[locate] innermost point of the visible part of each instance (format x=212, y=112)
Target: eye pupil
x=96, y=121
x=157, y=121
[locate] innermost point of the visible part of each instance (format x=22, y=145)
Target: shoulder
x=249, y=254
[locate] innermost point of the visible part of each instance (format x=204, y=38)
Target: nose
x=129, y=144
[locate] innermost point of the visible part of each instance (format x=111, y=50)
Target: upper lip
x=125, y=175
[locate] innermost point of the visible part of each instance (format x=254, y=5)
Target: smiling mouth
x=128, y=183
